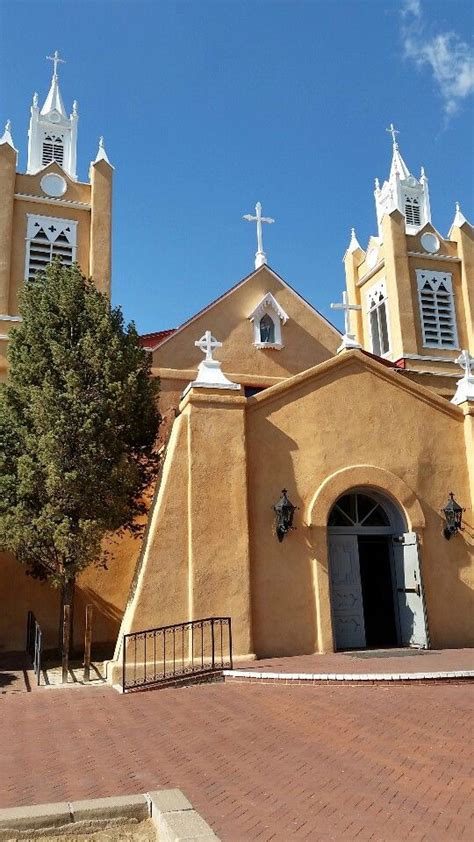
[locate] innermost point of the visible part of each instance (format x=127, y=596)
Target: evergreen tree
x=78, y=425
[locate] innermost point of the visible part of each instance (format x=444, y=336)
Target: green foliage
x=78, y=425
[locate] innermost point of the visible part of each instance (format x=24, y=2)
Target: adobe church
x=368, y=432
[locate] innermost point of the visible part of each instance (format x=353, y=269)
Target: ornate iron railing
x=184, y=650
x=34, y=643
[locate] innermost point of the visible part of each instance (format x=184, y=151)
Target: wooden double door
x=376, y=590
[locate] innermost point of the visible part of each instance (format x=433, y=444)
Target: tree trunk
x=67, y=598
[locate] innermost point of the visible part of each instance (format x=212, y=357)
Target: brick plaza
x=272, y=762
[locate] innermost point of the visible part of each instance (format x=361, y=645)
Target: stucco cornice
x=244, y=378
x=348, y=359
x=50, y=200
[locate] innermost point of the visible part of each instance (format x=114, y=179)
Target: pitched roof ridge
x=240, y=283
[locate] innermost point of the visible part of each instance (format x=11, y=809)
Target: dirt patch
x=119, y=832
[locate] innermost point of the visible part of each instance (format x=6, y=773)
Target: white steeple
x=354, y=243
x=7, y=135
x=403, y=191
x=459, y=219
x=52, y=134
x=101, y=153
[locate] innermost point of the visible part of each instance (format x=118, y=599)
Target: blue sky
x=207, y=107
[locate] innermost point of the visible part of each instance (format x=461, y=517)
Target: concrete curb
x=253, y=676
x=175, y=819
x=171, y=813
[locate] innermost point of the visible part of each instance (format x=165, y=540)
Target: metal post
x=87, y=642
x=213, y=644
x=67, y=613
x=230, y=641
x=124, y=662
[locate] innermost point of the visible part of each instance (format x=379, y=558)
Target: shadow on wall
x=19, y=594
x=283, y=603
x=105, y=622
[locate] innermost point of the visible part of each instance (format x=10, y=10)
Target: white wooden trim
x=62, y=203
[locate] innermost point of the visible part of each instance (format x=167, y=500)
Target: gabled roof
x=236, y=286
x=382, y=368
x=268, y=300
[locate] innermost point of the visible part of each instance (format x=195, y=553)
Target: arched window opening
x=267, y=329
x=358, y=510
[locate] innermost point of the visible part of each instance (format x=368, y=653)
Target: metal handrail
x=34, y=643
x=161, y=655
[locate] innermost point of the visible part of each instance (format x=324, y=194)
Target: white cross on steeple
x=393, y=131
x=260, y=256
x=207, y=343
x=56, y=60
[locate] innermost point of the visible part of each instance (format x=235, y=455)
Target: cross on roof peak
x=56, y=60
x=260, y=256
x=393, y=131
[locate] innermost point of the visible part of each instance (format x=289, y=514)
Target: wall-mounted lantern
x=284, y=511
x=453, y=514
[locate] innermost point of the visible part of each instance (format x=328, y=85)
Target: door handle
x=416, y=590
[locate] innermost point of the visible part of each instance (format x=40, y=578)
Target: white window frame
x=435, y=279
x=34, y=220
x=268, y=306
x=373, y=303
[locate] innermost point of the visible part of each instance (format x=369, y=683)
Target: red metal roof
x=151, y=340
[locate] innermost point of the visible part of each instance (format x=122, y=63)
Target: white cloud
x=411, y=7
x=450, y=58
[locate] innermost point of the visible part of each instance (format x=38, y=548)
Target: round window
x=53, y=185
x=430, y=242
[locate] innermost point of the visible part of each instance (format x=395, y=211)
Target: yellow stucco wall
x=307, y=337
x=360, y=415
x=347, y=423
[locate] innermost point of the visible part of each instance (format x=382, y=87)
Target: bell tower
x=47, y=211
x=403, y=191
x=412, y=287
x=52, y=135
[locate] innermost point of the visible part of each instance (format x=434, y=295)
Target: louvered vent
x=438, y=319
x=49, y=238
x=412, y=211
x=53, y=150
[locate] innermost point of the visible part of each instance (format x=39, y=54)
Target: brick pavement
x=368, y=661
x=259, y=763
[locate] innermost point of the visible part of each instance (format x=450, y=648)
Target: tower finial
x=56, y=60
x=7, y=135
x=393, y=131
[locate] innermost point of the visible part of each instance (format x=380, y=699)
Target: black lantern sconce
x=284, y=511
x=453, y=514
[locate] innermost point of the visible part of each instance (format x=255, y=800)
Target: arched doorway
x=376, y=591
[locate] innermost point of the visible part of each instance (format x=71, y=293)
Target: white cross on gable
x=466, y=362
x=260, y=256
x=207, y=343
x=347, y=311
